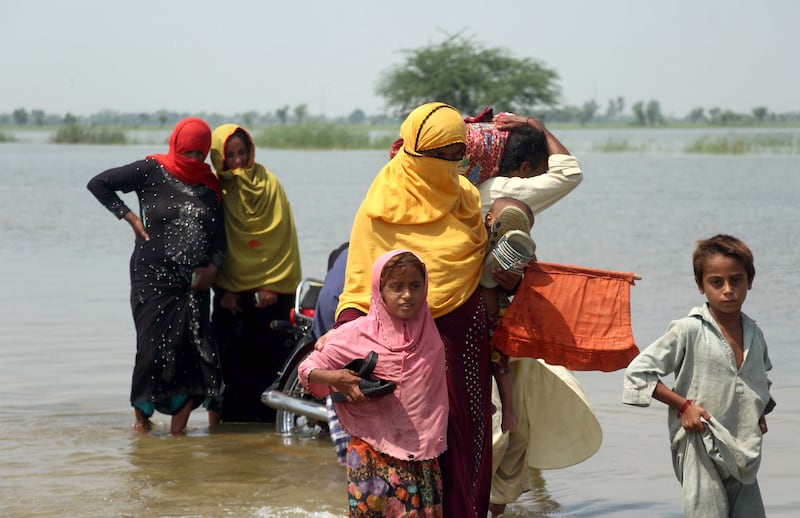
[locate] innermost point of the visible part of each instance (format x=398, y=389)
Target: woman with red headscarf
x=179, y=246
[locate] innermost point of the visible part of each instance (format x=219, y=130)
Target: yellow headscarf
x=421, y=204
x=262, y=248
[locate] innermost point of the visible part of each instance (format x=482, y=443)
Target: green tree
x=38, y=117
x=357, y=116
x=282, y=114
x=760, y=113
x=300, y=112
x=653, y=113
x=468, y=76
x=587, y=112
x=714, y=114
x=638, y=112
x=611, y=110
x=620, y=105
x=20, y=116
x=696, y=115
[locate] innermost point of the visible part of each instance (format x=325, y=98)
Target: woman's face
x=452, y=153
x=195, y=155
x=236, y=153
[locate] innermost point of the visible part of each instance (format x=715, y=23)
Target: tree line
x=458, y=71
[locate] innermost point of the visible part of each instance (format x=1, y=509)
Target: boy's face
x=725, y=284
x=404, y=292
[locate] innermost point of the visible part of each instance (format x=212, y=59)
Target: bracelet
x=684, y=407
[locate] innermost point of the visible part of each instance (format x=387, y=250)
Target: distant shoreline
x=774, y=139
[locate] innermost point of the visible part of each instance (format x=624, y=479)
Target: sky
x=197, y=56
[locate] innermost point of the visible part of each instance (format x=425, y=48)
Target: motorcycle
x=298, y=411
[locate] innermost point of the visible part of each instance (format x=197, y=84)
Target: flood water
x=67, y=340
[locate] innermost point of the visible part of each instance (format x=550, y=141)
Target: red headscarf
x=190, y=134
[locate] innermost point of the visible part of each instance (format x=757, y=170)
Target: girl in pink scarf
x=392, y=465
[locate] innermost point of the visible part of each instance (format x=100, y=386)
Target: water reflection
x=537, y=501
x=237, y=469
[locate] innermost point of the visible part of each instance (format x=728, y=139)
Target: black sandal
x=369, y=386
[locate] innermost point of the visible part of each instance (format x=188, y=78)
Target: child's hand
x=691, y=418
x=509, y=422
x=506, y=279
x=346, y=382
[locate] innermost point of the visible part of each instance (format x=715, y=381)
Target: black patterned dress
x=176, y=357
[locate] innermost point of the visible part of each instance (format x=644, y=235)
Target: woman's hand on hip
x=137, y=226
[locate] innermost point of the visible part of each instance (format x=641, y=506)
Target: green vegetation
x=774, y=143
x=6, y=138
x=321, y=136
x=74, y=133
x=617, y=145
x=466, y=75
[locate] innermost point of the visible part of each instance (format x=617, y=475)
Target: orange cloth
x=572, y=316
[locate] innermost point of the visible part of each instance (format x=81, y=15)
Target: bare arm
x=690, y=415
x=343, y=380
x=509, y=419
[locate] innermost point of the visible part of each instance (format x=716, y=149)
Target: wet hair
x=399, y=263
x=524, y=144
x=728, y=246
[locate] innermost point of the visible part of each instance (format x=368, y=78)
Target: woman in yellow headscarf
x=420, y=202
x=257, y=281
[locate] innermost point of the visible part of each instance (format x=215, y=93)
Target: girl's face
x=404, y=292
x=236, y=154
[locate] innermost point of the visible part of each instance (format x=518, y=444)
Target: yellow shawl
x=262, y=248
x=421, y=204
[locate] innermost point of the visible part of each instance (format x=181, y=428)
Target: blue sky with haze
x=84, y=56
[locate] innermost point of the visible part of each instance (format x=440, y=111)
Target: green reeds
x=772, y=143
x=320, y=136
x=82, y=134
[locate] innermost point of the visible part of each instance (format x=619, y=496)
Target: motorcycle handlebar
x=280, y=325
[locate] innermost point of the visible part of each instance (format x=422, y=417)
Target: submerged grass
x=617, y=145
x=776, y=143
x=321, y=136
x=6, y=138
x=82, y=134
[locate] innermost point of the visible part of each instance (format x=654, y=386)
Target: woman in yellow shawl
x=257, y=281
x=420, y=202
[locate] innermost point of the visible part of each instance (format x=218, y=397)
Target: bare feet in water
x=142, y=424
